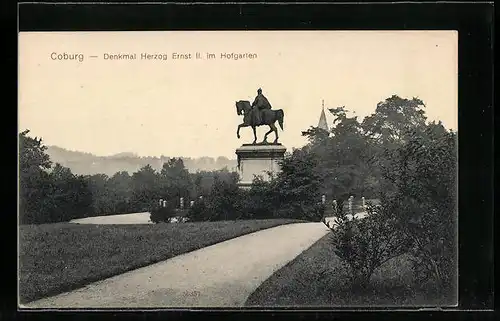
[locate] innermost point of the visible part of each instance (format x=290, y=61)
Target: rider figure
x=259, y=104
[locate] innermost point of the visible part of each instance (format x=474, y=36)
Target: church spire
x=322, y=118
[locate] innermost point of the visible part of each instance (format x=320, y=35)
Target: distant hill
x=89, y=164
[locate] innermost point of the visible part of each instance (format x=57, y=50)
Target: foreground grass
x=55, y=258
x=316, y=278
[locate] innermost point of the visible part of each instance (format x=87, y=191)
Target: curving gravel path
x=132, y=218
x=221, y=275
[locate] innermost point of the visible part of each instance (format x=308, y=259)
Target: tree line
x=52, y=193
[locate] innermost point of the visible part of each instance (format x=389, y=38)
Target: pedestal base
x=257, y=160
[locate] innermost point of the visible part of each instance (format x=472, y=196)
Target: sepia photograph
x=238, y=169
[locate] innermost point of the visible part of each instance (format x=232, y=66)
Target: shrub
x=430, y=233
x=297, y=187
x=317, y=212
x=222, y=203
x=260, y=201
x=292, y=193
x=365, y=244
x=162, y=214
x=302, y=210
x=199, y=211
x=423, y=175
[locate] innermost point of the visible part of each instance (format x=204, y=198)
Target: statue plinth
x=258, y=160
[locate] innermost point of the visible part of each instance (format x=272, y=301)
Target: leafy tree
x=296, y=190
x=316, y=135
x=344, y=157
x=145, y=188
x=69, y=196
x=102, y=201
x=33, y=177
x=203, y=181
x=261, y=201
x=222, y=203
x=394, y=119
x=394, y=122
x=423, y=178
x=175, y=180
x=48, y=194
x=32, y=156
x=120, y=192
x=197, y=180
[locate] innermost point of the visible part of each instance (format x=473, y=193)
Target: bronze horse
x=269, y=117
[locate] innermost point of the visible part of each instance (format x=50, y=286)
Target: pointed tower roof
x=322, y=118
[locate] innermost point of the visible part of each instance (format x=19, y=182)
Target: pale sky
x=187, y=107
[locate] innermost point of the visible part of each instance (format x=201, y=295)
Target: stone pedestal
x=258, y=160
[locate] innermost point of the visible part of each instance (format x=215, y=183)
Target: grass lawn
x=316, y=278
x=55, y=258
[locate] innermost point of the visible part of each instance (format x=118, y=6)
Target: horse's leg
x=238, y=131
x=273, y=128
x=269, y=132
x=241, y=126
x=254, y=135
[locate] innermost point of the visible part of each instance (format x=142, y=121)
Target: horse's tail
x=280, y=115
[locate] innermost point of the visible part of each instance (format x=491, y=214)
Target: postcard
x=233, y=169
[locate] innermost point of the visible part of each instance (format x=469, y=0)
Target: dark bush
x=260, y=201
x=162, y=214
x=365, y=244
x=422, y=173
x=198, y=212
x=226, y=201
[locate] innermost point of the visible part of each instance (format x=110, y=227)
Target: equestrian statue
x=259, y=113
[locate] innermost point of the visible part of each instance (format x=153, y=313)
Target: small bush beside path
x=317, y=278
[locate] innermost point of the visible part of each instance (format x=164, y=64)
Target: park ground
x=56, y=258
x=317, y=278
x=221, y=275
